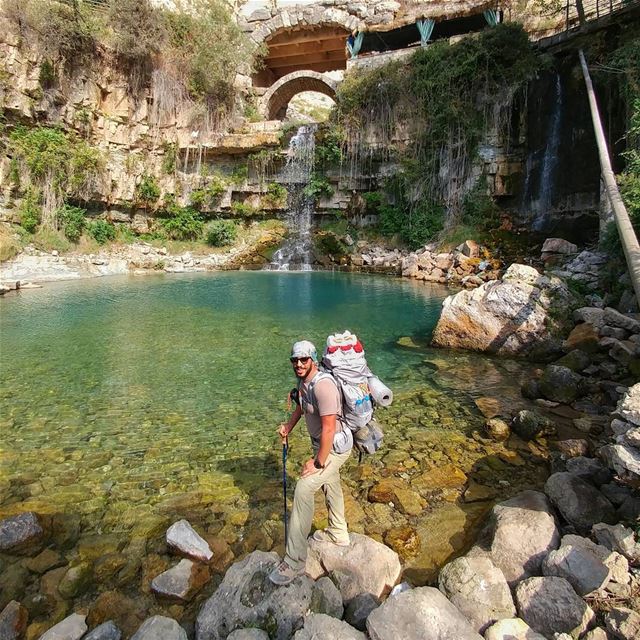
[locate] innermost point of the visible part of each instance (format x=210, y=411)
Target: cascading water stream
x=295, y=253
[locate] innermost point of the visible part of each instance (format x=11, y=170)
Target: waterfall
x=540, y=206
x=295, y=253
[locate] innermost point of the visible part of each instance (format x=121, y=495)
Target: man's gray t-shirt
x=328, y=402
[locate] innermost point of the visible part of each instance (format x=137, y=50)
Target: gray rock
x=519, y=535
x=358, y=610
x=559, y=245
x=106, y=631
x=365, y=566
x=419, y=614
x=629, y=509
x=623, y=623
x=181, y=582
x=632, y=437
x=182, y=537
x=614, y=561
x=13, y=621
x=628, y=408
x=576, y=360
x=247, y=598
x=592, y=315
x=581, y=568
x=596, y=634
x=615, y=493
x=549, y=605
x=589, y=469
x=512, y=629
x=158, y=627
x=617, y=538
x=614, y=332
x=560, y=384
x=318, y=626
x=623, y=459
x=20, y=533
x=529, y=424
x=616, y=319
x=248, y=634
x=326, y=598
x=620, y=427
x=478, y=589
x=581, y=504
x=71, y=628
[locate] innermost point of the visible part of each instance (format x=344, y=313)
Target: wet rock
x=580, y=503
x=404, y=540
x=47, y=559
x=623, y=623
x=446, y=476
x=326, y=598
x=575, y=360
x=512, y=629
x=358, y=610
x=617, y=538
x=489, y=407
x=248, y=634
x=589, y=469
x=160, y=627
x=623, y=459
x=560, y=384
x=246, y=597
x=419, y=614
x=365, y=566
x=125, y=612
x=497, y=429
x=75, y=580
x=181, y=582
x=573, y=447
x=106, y=631
x=399, y=493
x=478, y=589
x=519, y=535
x=21, y=533
x=182, y=537
x=529, y=424
x=318, y=625
x=71, y=628
x=582, y=569
x=13, y=621
x=549, y=605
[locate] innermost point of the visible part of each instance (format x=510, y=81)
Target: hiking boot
x=284, y=574
x=322, y=535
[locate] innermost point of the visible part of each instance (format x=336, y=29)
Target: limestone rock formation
x=365, y=566
x=478, y=589
x=419, y=614
x=318, y=625
x=512, y=629
x=513, y=316
x=519, y=535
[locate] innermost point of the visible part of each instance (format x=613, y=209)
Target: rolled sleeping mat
x=381, y=394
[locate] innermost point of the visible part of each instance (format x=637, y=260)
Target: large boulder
x=365, y=566
x=419, y=614
x=158, y=627
x=519, y=535
x=584, y=571
x=247, y=598
x=550, y=605
x=478, y=589
x=560, y=384
x=318, y=625
x=579, y=502
x=514, y=316
x=511, y=629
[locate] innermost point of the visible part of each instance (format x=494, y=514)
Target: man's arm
x=326, y=438
x=287, y=427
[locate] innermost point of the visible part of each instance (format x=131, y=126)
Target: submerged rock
x=519, y=535
x=419, y=614
x=478, y=589
x=365, y=566
x=20, y=533
x=106, y=631
x=247, y=598
x=71, y=628
x=181, y=582
x=183, y=537
x=13, y=621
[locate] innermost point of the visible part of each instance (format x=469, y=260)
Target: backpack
x=344, y=362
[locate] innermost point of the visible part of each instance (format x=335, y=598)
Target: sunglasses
x=302, y=360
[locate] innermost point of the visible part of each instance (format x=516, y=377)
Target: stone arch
x=301, y=17
x=276, y=99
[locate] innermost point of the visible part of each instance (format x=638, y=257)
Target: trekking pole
x=285, y=446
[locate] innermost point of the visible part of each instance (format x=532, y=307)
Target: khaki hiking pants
x=303, y=504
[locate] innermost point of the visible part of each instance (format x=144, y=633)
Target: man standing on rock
x=320, y=401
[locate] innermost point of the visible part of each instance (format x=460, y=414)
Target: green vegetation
x=221, y=233
x=244, y=210
x=50, y=240
x=318, y=187
x=208, y=196
x=72, y=221
x=102, y=231
x=30, y=211
x=276, y=196
x=10, y=243
x=170, y=158
x=182, y=223
x=147, y=191
x=329, y=144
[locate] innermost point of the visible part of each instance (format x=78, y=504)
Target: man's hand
x=308, y=469
x=283, y=431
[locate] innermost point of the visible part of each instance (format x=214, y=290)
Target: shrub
x=170, y=157
x=72, y=220
x=30, y=212
x=221, y=233
x=276, y=196
x=51, y=240
x=47, y=75
x=239, y=175
x=136, y=30
x=182, y=223
x=102, y=231
x=318, y=187
x=243, y=210
x=208, y=196
x=479, y=209
x=147, y=191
